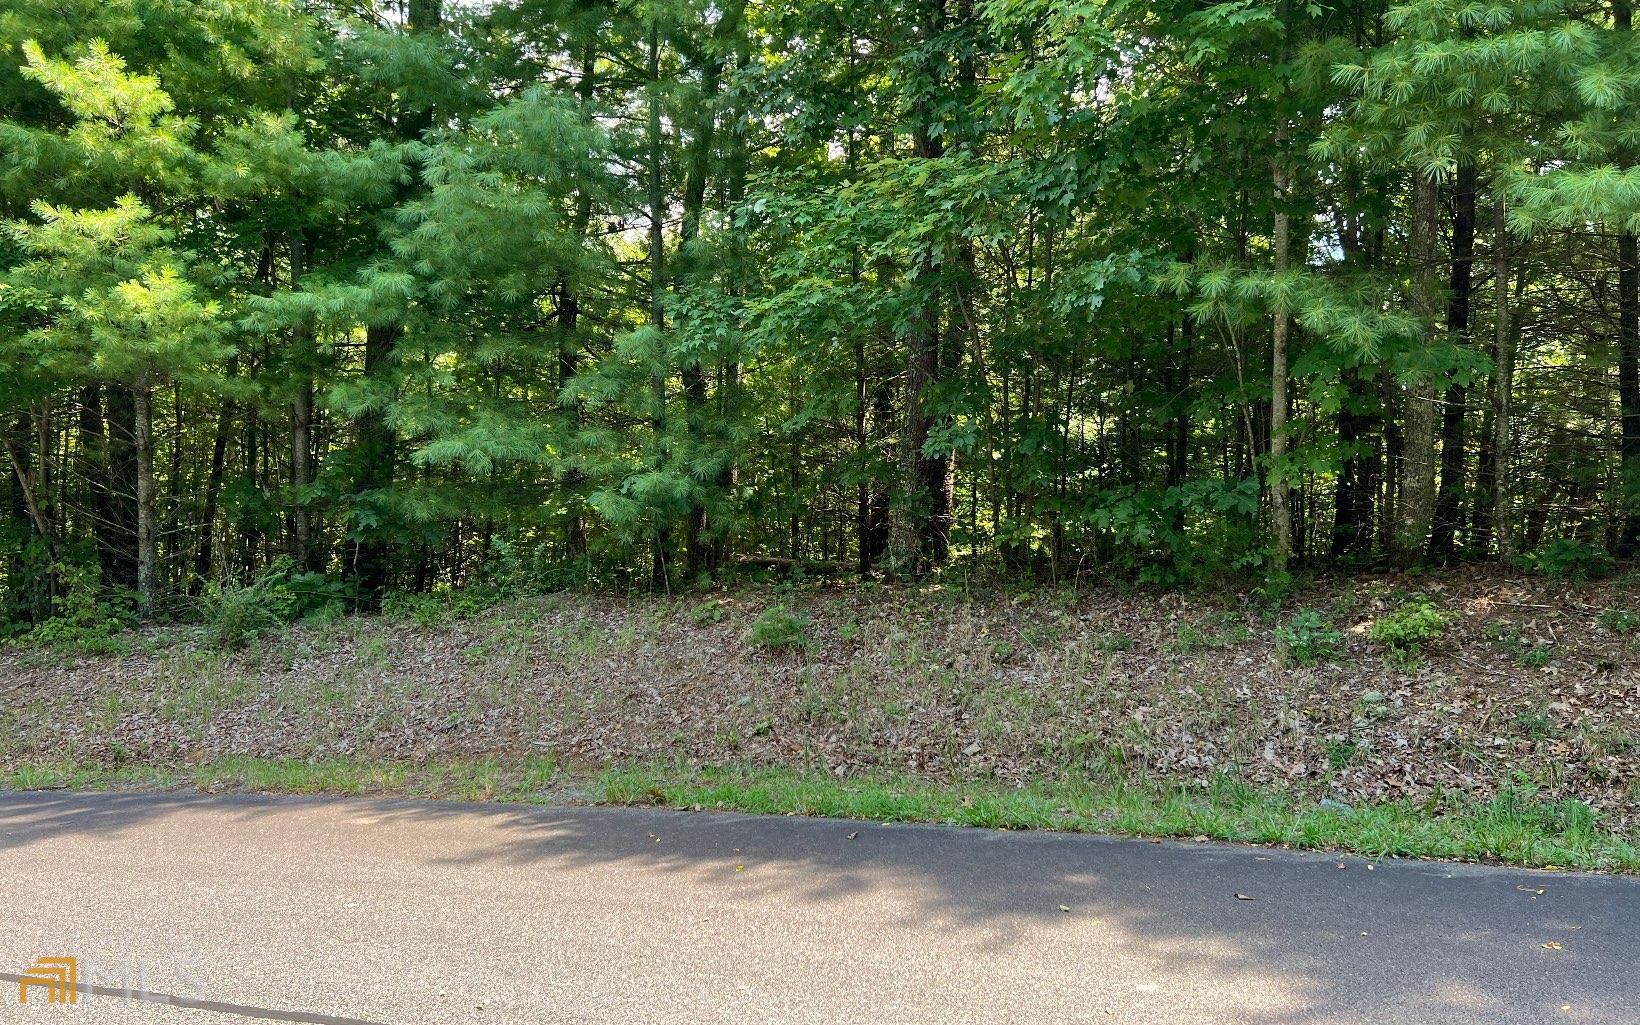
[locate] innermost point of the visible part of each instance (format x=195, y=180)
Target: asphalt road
x=408, y=912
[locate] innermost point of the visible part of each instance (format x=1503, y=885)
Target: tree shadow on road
x=1166, y=926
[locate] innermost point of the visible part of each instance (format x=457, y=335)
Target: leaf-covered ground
x=1531, y=686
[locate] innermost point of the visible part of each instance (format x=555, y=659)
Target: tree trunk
x=31, y=502
x=425, y=15
x=1449, y=503
x=659, y=576
x=569, y=343
x=1280, y=511
x=1351, y=532
x=120, y=530
x=1416, y=498
x=1503, y=386
x=31, y=594
x=378, y=443
x=301, y=423
x=142, y=397
x=377, y=458
x=921, y=535
x=93, y=461
x=205, y=553
x=700, y=547
x=1628, y=361
x=1628, y=392
x=1178, y=436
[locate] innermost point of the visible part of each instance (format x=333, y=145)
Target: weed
x=1189, y=639
x=1374, y=704
x=425, y=610
x=1309, y=638
x=1535, y=724
x=1341, y=752
x=1609, y=741
x=1221, y=630
x=1535, y=656
x=1405, y=630
x=1620, y=621
x=709, y=611
x=1042, y=635
x=1532, y=654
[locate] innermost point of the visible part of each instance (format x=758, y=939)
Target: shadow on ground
x=1402, y=942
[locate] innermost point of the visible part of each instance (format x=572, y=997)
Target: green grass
x=468, y=780
x=1513, y=828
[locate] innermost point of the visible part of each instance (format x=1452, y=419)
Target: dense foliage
x=376, y=296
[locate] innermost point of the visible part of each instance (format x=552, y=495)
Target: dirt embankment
x=1526, y=683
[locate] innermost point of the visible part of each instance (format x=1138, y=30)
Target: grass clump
x=777, y=629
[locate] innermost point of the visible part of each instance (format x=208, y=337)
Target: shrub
x=90, y=620
x=235, y=616
x=1309, y=638
x=429, y=608
x=1407, y=629
x=777, y=628
x=1569, y=559
x=425, y=610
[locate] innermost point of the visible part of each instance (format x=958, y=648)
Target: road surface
x=413, y=913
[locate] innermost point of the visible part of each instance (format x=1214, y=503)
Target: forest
x=394, y=297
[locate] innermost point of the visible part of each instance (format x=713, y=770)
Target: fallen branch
x=818, y=567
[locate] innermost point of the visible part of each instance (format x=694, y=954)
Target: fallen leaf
x=1552, y=945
